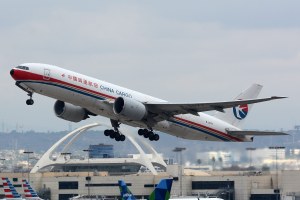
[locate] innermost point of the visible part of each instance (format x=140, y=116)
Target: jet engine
x=130, y=108
x=70, y=112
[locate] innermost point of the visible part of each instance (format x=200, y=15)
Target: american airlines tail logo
x=240, y=112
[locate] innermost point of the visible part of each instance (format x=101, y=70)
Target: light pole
x=28, y=153
x=2, y=159
x=179, y=150
x=276, y=148
x=228, y=187
x=88, y=177
x=250, y=149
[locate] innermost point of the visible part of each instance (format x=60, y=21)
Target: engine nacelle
x=130, y=108
x=69, y=112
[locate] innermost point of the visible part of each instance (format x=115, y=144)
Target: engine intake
x=130, y=108
x=69, y=111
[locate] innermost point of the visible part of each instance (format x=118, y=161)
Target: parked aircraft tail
x=125, y=192
x=9, y=190
x=30, y=193
x=161, y=192
x=236, y=115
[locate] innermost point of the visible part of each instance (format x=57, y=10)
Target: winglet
x=277, y=97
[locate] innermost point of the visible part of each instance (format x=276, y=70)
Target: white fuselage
x=91, y=93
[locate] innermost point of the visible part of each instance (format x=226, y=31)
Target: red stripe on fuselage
x=210, y=129
x=20, y=75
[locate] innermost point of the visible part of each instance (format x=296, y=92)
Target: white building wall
x=289, y=182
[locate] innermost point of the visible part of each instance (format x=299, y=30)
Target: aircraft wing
x=255, y=133
x=169, y=109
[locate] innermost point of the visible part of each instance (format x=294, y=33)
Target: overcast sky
x=180, y=51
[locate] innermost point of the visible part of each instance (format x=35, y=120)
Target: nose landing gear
x=29, y=93
x=30, y=100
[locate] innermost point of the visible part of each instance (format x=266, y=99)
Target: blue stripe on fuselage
x=201, y=130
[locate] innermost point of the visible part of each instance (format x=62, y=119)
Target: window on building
x=67, y=185
x=264, y=196
x=66, y=196
x=212, y=185
x=105, y=184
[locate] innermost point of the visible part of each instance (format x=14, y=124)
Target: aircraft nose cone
x=12, y=72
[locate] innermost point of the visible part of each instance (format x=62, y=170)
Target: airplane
x=161, y=192
x=78, y=97
x=30, y=193
x=9, y=191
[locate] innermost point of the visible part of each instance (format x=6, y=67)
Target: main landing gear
x=30, y=100
x=148, y=134
x=115, y=134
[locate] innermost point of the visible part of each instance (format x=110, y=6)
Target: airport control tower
x=101, y=151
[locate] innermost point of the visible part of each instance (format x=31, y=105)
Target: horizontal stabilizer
x=255, y=133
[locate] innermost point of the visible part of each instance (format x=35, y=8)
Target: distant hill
x=40, y=142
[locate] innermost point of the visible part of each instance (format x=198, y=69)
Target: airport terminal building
x=227, y=185
x=97, y=175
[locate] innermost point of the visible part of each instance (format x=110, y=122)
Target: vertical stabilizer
x=30, y=193
x=237, y=115
x=9, y=190
x=125, y=192
x=162, y=191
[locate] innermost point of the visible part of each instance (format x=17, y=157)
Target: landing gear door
x=46, y=74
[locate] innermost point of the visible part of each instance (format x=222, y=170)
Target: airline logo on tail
x=29, y=191
x=9, y=190
x=161, y=192
x=241, y=111
x=125, y=192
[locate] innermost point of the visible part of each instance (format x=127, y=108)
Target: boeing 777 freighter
x=79, y=97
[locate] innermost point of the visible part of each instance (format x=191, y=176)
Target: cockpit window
x=23, y=67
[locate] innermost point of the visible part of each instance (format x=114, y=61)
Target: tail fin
x=162, y=191
x=236, y=115
x=125, y=192
x=30, y=193
x=9, y=190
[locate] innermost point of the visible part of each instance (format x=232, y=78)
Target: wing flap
x=256, y=133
